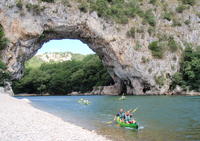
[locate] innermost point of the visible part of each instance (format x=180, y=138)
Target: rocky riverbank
x=19, y=121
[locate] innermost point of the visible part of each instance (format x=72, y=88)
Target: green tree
x=4, y=74
x=3, y=39
x=189, y=77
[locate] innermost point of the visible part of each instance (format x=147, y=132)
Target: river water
x=161, y=118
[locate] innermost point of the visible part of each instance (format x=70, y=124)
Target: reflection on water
x=163, y=118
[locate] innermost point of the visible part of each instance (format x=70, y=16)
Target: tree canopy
x=64, y=77
x=189, y=75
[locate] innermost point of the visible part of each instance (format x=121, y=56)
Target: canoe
x=123, y=124
x=122, y=98
x=84, y=101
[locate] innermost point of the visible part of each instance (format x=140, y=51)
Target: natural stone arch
x=81, y=32
x=27, y=31
x=28, y=35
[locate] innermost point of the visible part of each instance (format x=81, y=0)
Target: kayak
x=122, y=98
x=123, y=124
x=84, y=101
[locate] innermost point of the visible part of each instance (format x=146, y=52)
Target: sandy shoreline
x=19, y=121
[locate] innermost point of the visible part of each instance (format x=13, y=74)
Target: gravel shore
x=19, y=121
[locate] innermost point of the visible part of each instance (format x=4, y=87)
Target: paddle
x=133, y=110
x=109, y=122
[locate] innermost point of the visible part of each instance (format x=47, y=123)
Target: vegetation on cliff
x=165, y=43
x=122, y=10
x=3, y=39
x=188, y=77
x=118, y=10
x=64, y=77
x=4, y=75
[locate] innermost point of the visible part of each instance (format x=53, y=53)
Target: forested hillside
x=53, y=57
x=64, y=77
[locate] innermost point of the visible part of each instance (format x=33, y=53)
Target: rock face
x=28, y=28
x=7, y=89
x=106, y=90
x=54, y=57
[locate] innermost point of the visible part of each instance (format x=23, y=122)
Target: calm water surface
x=161, y=118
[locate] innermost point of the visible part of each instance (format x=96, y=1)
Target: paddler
x=129, y=118
x=121, y=115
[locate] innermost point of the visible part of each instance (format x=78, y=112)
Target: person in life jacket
x=129, y=118
x=121, y=115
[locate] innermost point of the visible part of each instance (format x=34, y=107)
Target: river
x=161, y=118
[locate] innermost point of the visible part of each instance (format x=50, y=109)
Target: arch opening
x=66, y=66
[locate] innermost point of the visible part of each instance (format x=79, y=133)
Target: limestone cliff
x=129, y=60
x=54, y=57
x=58, y=57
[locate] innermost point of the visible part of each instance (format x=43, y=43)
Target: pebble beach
x=20, y=121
